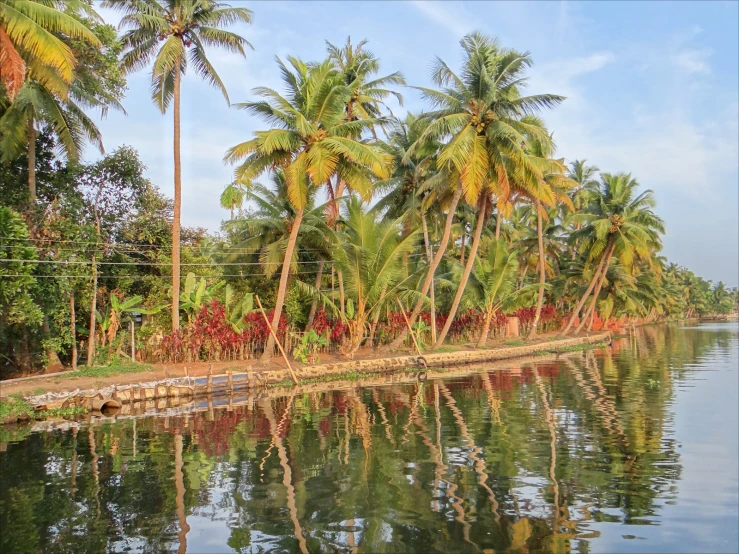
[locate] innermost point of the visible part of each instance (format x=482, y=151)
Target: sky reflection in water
x=628, y=449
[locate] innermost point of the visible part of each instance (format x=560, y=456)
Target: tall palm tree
x=175, y=34
x=479, y=116
x=482, y=117
x=618, y=223
x=30, y=44
x=547, y=191
x=311, y=142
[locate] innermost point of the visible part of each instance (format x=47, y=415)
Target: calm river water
x=627, y=449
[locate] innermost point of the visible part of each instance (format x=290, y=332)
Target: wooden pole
x=133, y=344
x=410, y=330
x=274, y=335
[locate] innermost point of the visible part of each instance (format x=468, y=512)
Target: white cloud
x=438, y=12
x=693, y=61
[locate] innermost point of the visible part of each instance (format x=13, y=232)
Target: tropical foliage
x=354, y=226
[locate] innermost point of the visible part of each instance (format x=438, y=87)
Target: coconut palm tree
x=618, y=223
x=479, y=116
x=31, y=43
x=311, y=142
x=175, y=34
x=268, y=231
x=547, y=191
x=369, y=254
x=232, y=197
x=492, y=285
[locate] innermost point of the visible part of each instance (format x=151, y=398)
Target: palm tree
x=30, y=43
x=184, y=28
x=35, y=104
x=546, y=191
x=481, y=115
x=492, y=285
x=587, y=185
x=370, y=256
x=268, y=231
x=42, y=85
x=232, y=197
x=311, y=142
x=617, y=223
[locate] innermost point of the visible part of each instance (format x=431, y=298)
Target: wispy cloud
x=439, y=13
x=692, y=61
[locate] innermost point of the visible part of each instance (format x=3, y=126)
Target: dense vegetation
x=340, y=214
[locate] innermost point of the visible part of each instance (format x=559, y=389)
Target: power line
x=212, y=264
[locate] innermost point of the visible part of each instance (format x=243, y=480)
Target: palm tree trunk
x=73, y=326
x=542, y=273
x=584, y=297
x=432, y=268
x=31, y=161
x=430, y=257
x=282, y=290
x=376, y=317
x=465, y=275
x=314, y=305
x=596, y=292
x=177, y=208
x=482, y=342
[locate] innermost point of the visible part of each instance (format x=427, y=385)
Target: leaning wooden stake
x=410, y=330
x=277, y=341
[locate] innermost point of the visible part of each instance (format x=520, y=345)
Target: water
x=629, y=449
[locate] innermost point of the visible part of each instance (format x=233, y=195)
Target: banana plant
x=116, y=311
x=236, y=309
x=196, y=295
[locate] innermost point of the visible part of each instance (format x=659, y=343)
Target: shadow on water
x=597, y=451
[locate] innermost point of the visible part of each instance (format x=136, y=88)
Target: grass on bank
x=15, y=408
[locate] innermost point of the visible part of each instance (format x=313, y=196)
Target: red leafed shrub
x=333, y=329
x=210, y=336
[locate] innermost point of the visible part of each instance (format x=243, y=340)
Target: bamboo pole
x=410, y=330
x=277, y=341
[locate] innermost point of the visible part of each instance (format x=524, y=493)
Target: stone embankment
x=188, y=389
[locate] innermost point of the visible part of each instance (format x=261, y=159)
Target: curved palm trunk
x=584, y=297
x=31, y=161
x=591, y=308
x=282, y=290
x=177, y=207
x=314, y=305
x=432, y=268
x=465, y=276
x=542, y=274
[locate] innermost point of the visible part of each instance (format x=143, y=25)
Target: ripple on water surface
x=627, y=449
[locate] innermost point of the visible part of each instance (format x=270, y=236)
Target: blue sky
x=652, y=89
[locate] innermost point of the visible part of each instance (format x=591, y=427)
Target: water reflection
x=577, y=454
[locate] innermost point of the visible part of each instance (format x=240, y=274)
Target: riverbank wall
x=187, y=389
